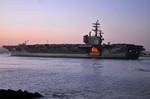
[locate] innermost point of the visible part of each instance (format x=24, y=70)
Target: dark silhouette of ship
x=93, y=48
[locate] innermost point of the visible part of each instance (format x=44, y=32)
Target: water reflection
x=60, y=78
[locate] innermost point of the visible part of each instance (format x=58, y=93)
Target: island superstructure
x=93, y=48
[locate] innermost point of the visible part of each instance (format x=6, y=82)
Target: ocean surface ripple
x=68, y=78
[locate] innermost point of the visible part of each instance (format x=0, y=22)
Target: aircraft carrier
x=92, y=48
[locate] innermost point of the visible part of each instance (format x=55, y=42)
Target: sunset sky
x=66, y=21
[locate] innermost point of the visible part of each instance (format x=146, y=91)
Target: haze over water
x=67, y=78
x=66, y=21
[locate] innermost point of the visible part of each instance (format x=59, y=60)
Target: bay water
x=70, y=78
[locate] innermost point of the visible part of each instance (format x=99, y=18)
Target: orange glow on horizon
x=15, y=35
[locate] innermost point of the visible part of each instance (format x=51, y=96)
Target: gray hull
x=67, y=55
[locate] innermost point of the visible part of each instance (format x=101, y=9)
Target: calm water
x=67, y=78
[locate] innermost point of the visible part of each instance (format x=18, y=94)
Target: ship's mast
x=97, y=31
x=95, y=39
x=96, y=27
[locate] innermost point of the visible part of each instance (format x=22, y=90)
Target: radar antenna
x=97, y=31
x=95, y=39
